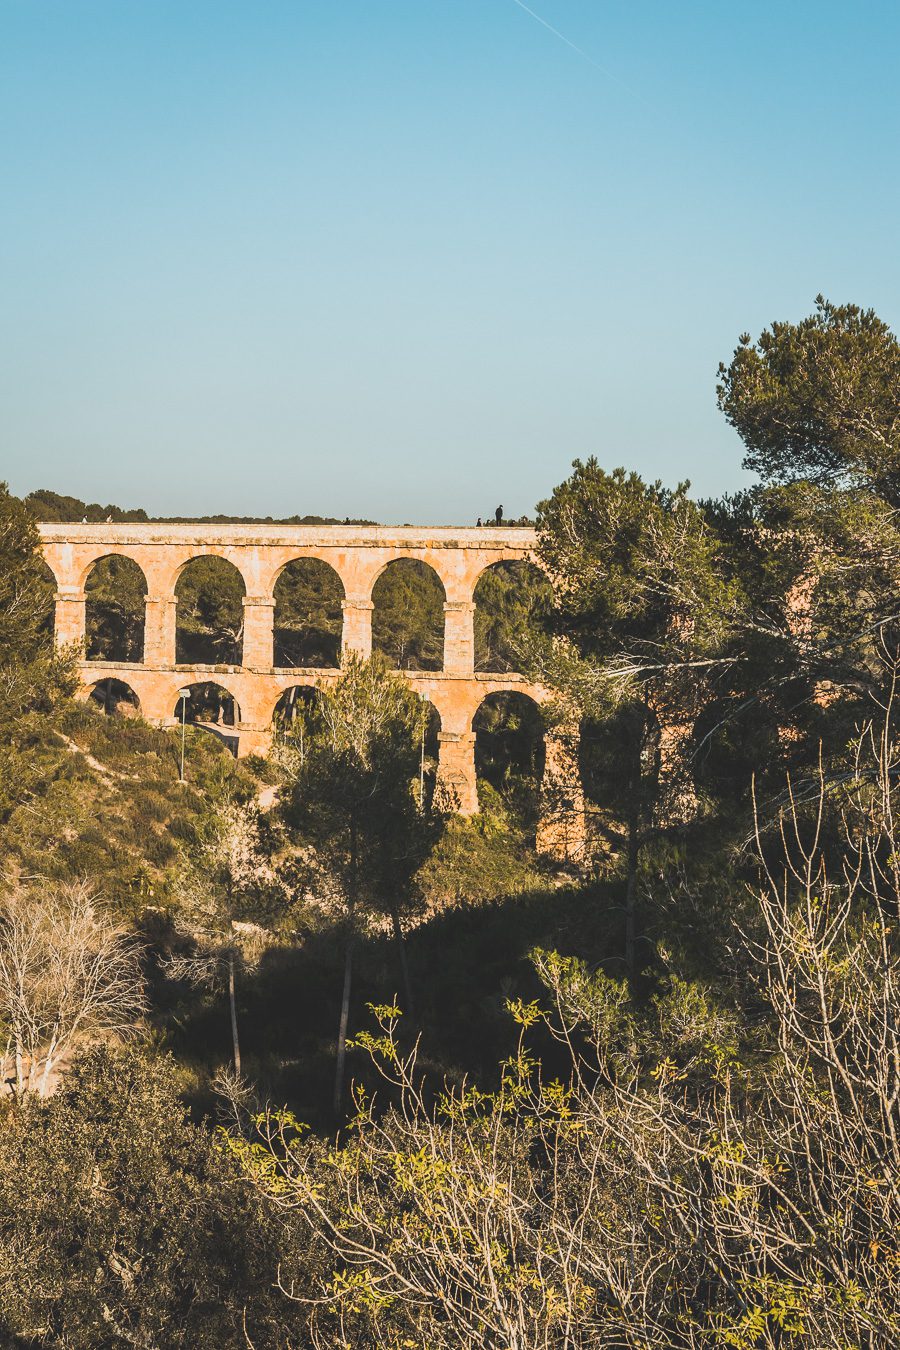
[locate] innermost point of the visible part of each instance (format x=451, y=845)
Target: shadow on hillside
x=464, y=964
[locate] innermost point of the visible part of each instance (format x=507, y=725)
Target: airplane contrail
x=562, y=37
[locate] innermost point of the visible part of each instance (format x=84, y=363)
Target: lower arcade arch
x=510, y=599
x=207, y=704
x=294, y=721
x=294, y=711
x=727, y=743
x=43, y=607
x=209, y=623
x=408, y=615
x=115, y=593
x=429, y=752
x=308, y=619
x=510, y=751
x=115, y=698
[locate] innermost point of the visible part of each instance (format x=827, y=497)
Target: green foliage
x=352, y=797
x=123, y=1224
x=478, y=859
x=353, y=785
x=51, y=506
x=819, y=400
x=635, y=572
x=645, y=619
x=103, y=802
x=35, y=677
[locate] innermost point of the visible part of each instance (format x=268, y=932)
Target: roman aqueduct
x=260, y=553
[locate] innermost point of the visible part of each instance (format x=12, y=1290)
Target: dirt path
x=110, y=775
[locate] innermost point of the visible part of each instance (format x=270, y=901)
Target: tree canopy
x=819, y=399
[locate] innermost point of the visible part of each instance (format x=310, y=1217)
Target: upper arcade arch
x=510, y=596
x=115, y=591
x=209, y=618
x=43, y=602
x=308, y=615
x=408, y=603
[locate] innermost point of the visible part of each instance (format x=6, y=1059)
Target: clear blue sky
x=407, y=259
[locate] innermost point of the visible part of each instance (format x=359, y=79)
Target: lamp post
x=184, y=695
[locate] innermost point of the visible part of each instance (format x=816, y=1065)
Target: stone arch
x=293, y=710
x=209, y=701
x=730, y=737
x=308, y=619
x=510, y=750
x=509, y=596
x=45, y=592
x=209, y=619
x=408, y=600
x=114, y=697
x=115, y=593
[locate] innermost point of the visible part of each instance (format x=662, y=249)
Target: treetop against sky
x=408, y=261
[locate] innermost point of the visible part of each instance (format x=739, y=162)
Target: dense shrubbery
x=121, y=1223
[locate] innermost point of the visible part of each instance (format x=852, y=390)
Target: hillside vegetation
x=296, y=1058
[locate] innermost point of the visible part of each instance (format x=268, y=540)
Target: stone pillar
x=69, y=624
x=259, y=616
x=159, y=631
x=561, y=827
x=456, y=788
x=357, y=634
x=459, y=637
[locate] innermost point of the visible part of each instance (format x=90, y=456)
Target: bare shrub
x=68, y=972
x=679, y=1190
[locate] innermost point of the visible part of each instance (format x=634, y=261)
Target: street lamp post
x=184, y=695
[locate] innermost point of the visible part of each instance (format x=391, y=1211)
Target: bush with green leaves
x=124, y=1224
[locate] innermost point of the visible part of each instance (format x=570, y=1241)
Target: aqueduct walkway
x=260, y=553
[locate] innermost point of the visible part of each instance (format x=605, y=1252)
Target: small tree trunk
x=233, y=1005
x=348, y=978
x=634, y=844
x=344, y=1022
x=631, y=894
x=404, y=967
x=20, y=1070
x=48, y=1063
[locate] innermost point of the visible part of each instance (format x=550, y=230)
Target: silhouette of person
x=478, y=523
x=498, y=516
